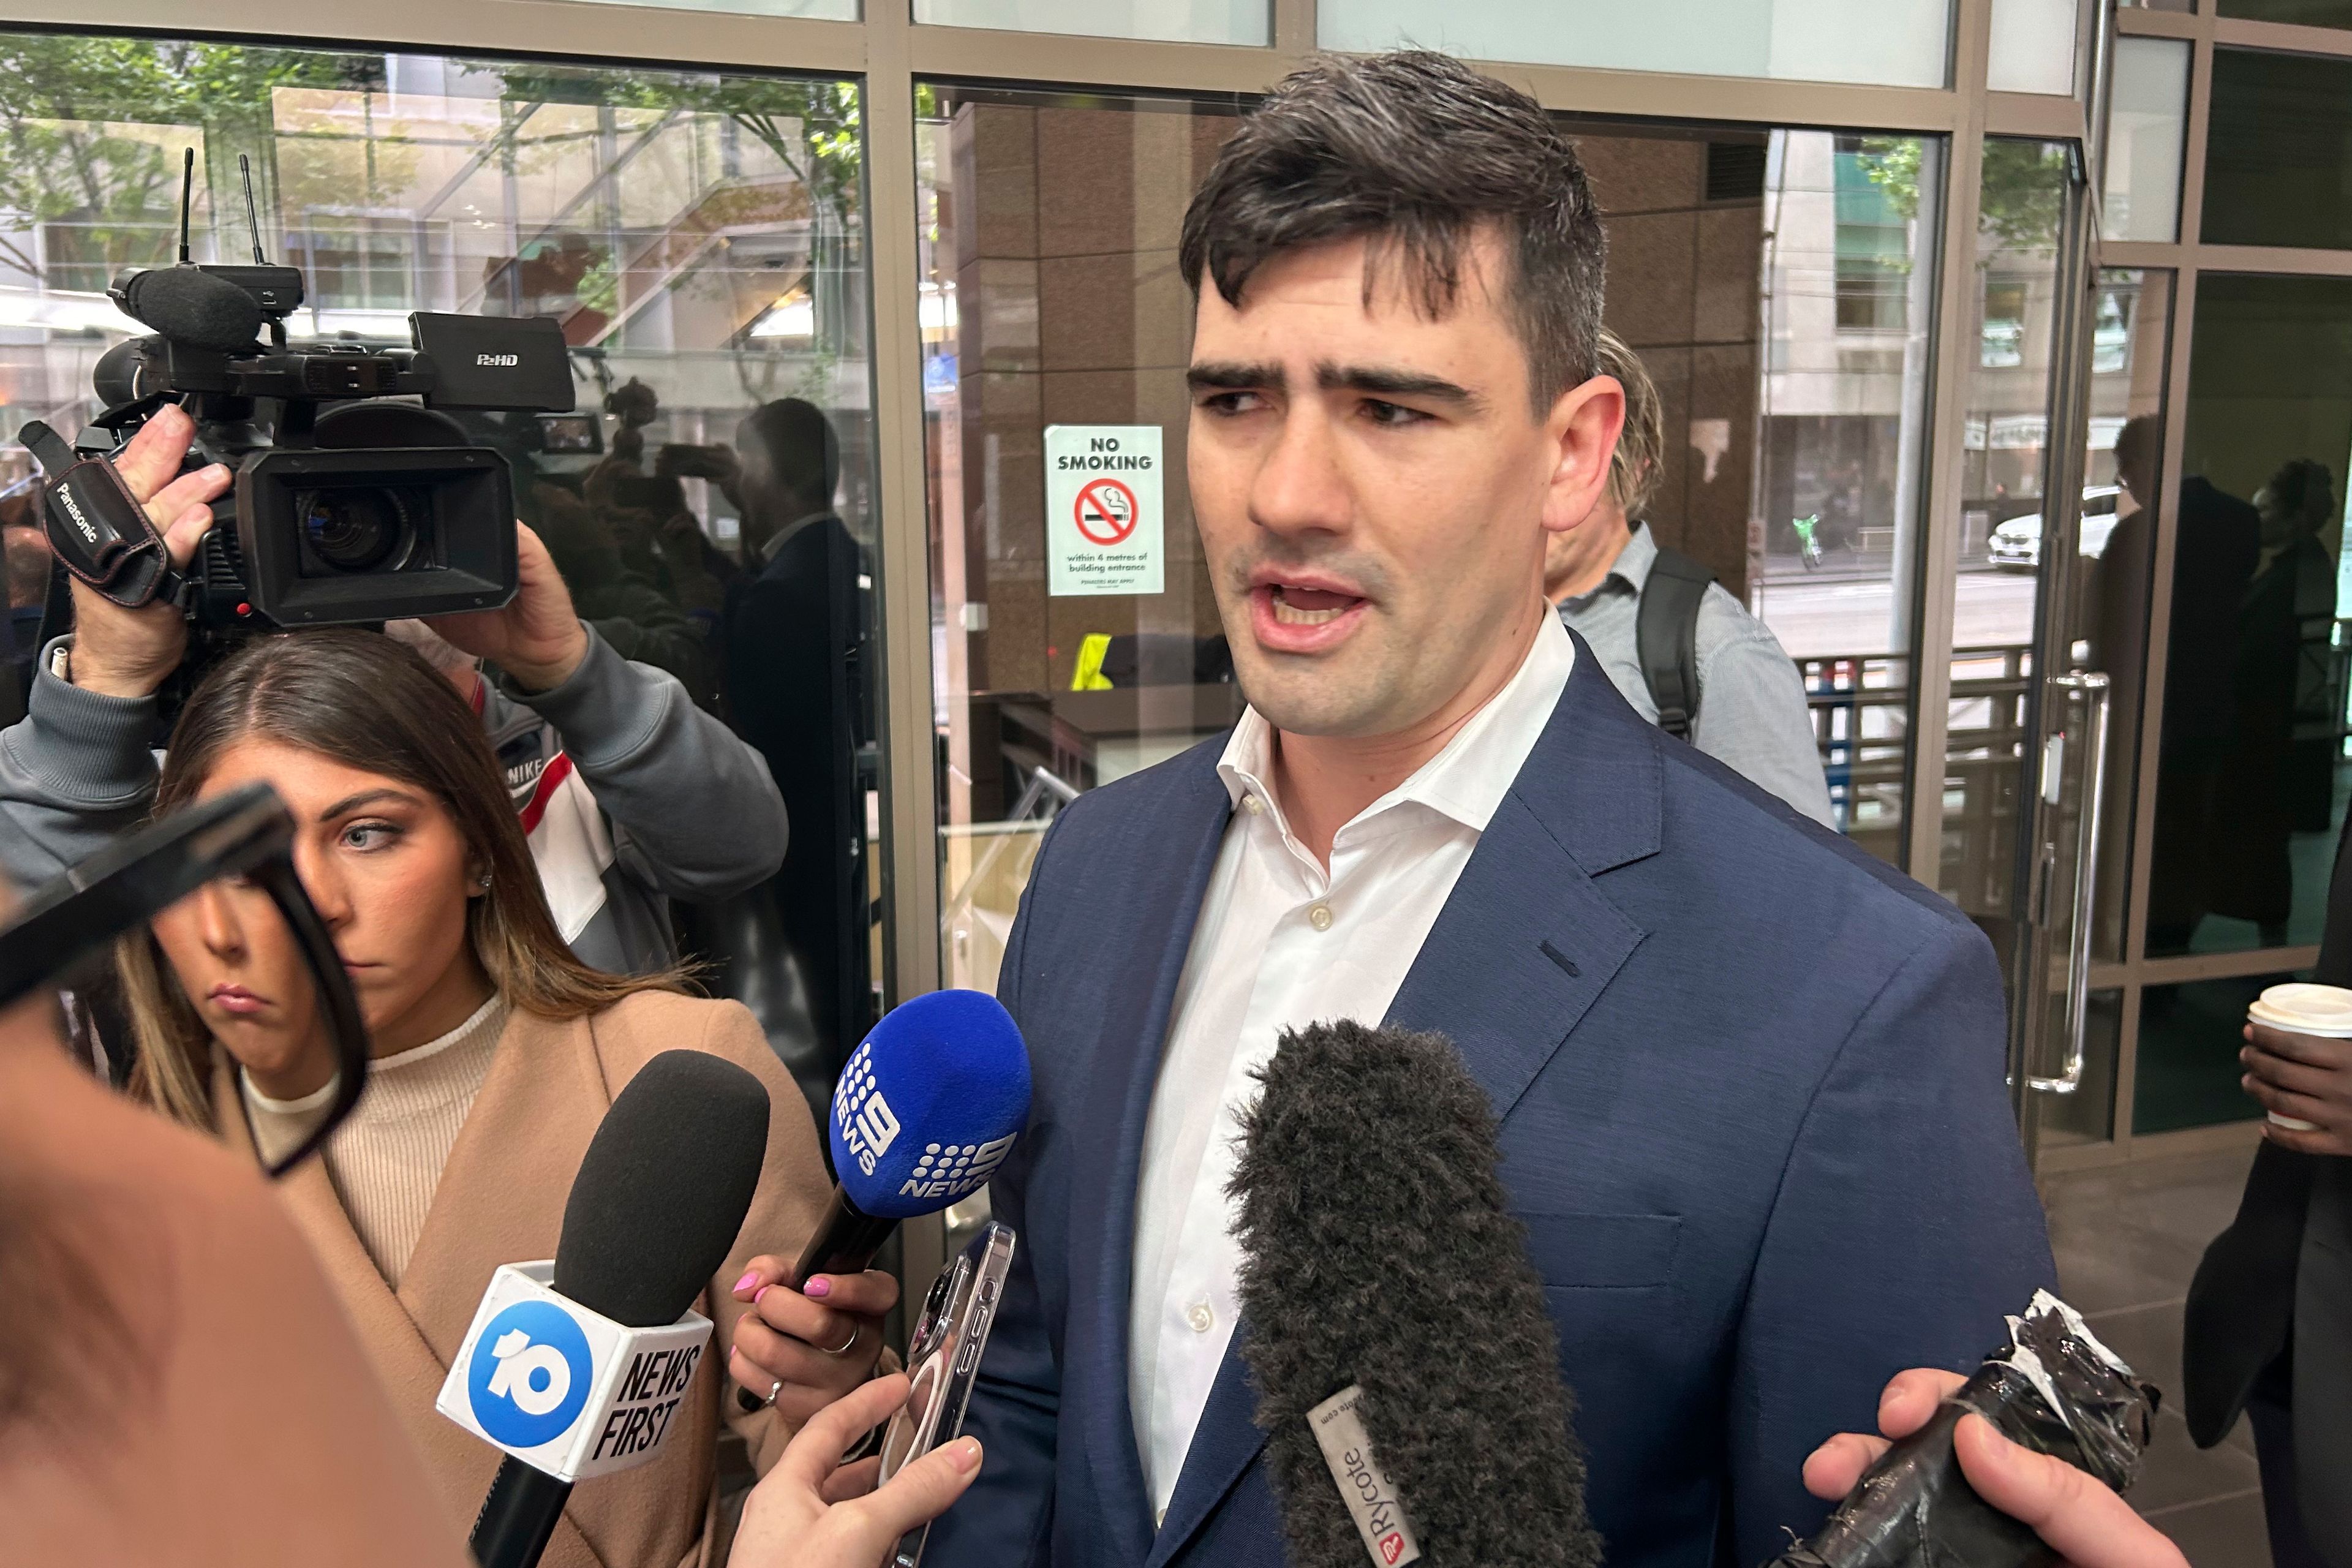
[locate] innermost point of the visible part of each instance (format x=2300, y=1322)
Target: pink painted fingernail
x=745, y=1283
x=819, y=1286
x=763, y=1290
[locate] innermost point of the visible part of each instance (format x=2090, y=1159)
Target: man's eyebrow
x=1383, y=382
x=1227, y=376
x=351, y=802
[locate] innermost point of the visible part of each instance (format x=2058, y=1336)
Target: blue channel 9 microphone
x=656, y=1209
x=926, y=1109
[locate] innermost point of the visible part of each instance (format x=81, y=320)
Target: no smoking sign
x=1103, y=509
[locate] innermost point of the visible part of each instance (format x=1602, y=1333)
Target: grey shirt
x=1751, y=712
x=689, y=810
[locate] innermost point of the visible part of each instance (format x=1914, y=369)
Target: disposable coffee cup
x=2321, y=1012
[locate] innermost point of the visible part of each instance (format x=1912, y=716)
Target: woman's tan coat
x=501, y=1201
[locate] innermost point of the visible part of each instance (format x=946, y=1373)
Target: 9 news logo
x=530, y=1374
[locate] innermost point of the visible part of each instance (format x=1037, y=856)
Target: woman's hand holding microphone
x=801, y=1351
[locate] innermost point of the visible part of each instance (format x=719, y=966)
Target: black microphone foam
x=663, y=1189
x=1380, y=1252
x=189, y=305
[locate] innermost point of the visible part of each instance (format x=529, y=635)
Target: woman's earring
x=486, y=881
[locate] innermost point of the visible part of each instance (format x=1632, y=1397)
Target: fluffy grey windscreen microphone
x=1379, y=1252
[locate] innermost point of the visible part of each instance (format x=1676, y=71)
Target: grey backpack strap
x=1665, y=637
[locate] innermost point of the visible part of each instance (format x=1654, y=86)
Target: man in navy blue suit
x=1749, y=1079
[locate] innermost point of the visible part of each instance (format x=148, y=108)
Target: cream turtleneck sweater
x=386, y=1160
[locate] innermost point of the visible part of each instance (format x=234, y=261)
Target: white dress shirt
x=1280, y=945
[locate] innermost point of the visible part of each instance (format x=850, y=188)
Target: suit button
x=1320, y=917
x=1199, y=1316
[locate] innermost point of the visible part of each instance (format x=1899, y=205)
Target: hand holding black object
x=536, y=638
x=1955, y=1486
x=245, y=832
x=125, y=652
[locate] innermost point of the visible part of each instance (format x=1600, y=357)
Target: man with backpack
x=1686, y=653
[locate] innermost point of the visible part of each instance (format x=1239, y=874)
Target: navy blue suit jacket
x=1750, y=1083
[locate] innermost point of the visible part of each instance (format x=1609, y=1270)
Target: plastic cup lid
x=2318, y=1009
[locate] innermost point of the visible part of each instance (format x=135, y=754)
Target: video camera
x=358, y=496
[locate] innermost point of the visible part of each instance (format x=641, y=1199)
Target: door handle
x=2095, y=688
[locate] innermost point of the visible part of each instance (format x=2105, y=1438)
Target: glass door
x=2067, y=1067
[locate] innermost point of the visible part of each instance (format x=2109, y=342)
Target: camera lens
x=355, y=529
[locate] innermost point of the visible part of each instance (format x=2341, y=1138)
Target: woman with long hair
x=495, y=1055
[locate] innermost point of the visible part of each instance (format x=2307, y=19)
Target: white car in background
x=2016, y=545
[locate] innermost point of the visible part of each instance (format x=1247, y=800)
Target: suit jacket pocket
x=1603, y=1251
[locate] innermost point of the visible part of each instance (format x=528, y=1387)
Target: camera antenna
x=252, y=213
x=187, y=190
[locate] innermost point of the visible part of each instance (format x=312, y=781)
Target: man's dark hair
x=1419, y=154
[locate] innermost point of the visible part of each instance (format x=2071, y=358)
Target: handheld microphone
x=656, y=1207
x=189, y=305
x=925, y=1111
x=1407, y=1373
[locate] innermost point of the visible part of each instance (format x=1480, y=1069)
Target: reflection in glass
x=2130, y=337
x=2278, y=151
x=1896, y=42
x=700, y=237
x=1177, y=21
x=2148, y=116
x=2087, y=1115
x=1040, y=311
x=2034, y=46
x=1850, y=226
x=2304, y=13
x=2005, y=440
x=2253, y=778
x=2189, y=1037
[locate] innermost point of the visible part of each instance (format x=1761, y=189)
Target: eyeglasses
x=247, y=833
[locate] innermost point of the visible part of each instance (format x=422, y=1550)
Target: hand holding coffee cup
x=2298, y=1061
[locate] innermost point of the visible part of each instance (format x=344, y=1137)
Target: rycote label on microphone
x=1364, y=1487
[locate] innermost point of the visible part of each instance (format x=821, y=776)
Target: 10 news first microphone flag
x=927, y=1109
x=565, y=1390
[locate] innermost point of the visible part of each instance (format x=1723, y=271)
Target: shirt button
x=1320, y=917
x=1252, y=805
x=1200, y=1317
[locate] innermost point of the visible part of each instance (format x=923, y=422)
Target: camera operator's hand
x=811, y=1515
x=2084, y=1522
x=128, y=653
x=537, y=638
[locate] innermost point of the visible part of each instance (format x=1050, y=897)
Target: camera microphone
x=189, y=305
x=656, y=1208
x=1407, y=1371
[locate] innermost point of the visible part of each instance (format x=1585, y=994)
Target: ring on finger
x=846, y=1345
x=774, y=1389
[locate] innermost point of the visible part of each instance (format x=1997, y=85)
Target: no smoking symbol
x=1106, y=512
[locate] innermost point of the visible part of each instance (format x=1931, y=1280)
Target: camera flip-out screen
x=495, y=362
x=336, y=537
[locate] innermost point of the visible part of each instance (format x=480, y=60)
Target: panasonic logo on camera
x=495, y=362
x=73, y=510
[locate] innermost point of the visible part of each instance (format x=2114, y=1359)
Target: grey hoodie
x=630, y=794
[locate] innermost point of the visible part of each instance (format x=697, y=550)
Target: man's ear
x=1580, y=436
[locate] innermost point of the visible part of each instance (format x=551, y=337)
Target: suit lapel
x=1173, y=848
x=1506, y=989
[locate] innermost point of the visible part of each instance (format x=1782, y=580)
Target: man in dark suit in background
x=794, y=635
x=1749, y=1079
